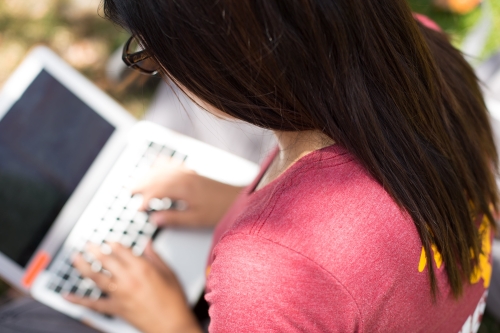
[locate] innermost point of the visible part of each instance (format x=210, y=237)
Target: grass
x=77, y=32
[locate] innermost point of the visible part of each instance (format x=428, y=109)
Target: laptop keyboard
x=121, y=222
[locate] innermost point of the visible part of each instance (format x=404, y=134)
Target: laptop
x=69, y=156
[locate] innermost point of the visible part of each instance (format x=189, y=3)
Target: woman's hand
x=207, y=200
x=143, y=291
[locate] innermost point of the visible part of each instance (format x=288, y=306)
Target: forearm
x=221, y=197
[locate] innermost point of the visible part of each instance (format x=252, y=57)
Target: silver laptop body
x=70, y=157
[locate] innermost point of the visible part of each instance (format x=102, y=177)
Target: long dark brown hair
x=396, y=94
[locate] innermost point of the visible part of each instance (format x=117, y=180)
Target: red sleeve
x=256, y=285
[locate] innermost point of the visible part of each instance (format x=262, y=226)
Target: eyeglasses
x=136, y=57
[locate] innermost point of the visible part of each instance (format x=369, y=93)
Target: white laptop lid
x=59, y=136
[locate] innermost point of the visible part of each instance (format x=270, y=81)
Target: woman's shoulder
x=328, y=199
x=329, y=229
x=257, y=285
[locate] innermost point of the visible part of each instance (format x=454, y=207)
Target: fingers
x=111, y=259
x=167, y=179
x=101, y=305
x=115, y=263
x=101, y=280
x=159, y=193
x=145, y=202
x=123, y=255
x=157, y=261
x=150, y=253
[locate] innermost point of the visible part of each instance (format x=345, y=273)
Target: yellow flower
x=482, y=270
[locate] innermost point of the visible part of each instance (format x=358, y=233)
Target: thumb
x=151, y=255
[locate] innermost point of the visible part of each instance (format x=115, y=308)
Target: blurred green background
x=457, y=26
x=76, y=31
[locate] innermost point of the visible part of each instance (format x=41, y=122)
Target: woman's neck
x=292, y=147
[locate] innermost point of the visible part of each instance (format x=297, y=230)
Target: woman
x=375, y=212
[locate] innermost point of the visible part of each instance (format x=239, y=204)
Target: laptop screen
x=48, y=140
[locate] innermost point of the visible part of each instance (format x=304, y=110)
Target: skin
x=143, y=290
x=292, y=145
x=207, y=199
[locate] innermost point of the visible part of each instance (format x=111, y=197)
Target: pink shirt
x=323, y=248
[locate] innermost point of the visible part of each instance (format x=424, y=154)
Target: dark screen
x=48, y=140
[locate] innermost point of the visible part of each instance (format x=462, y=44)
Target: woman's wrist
x=223, y=197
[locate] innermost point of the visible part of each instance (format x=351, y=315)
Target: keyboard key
x=52, y=285
x=133, y=228
x=126, y=241
x=124, y=196
x=95, y=294
x=142, y=241
x=167, y=152
x=179, y=156
x=106, y=249
x=87, y=283
x=66, y=287
x=97, y=237
x=128, y=214
x=148, y=229
x=120, y=226
x=96, y=266
x=78, y=244
x=120, y=222
x=129, y=183
x=80, y=291
x=151, y=155
x=137, y=251
x=135, y=202
x=140, y=219
x=140, y=171
x=88, y=257
x=114, y=211
x=113, y=237
x=106, y=224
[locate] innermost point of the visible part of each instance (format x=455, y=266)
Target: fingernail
x=88, y=257
x=136, y=251
x=155, y=219
x=96, y=266
x=106, y=272
x=106, y=249
x=68, y=296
